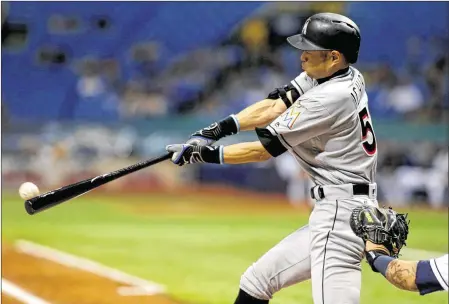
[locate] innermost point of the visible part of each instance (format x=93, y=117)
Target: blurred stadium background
x=90, y=87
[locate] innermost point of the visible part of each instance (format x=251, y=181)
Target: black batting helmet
x=328, y=31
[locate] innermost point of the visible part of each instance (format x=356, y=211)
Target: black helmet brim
x=302, y=43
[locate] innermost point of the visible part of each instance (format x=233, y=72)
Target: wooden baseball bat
x=63, y=194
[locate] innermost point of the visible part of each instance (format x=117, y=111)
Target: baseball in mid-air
x=28, y=190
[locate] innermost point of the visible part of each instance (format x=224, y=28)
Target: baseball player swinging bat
x=61, y=195
x=322, y=118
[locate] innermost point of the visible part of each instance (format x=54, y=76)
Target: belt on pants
x=343, y=191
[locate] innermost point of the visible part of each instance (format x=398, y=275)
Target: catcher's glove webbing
x=380, y=226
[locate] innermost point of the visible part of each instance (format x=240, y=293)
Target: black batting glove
x=184, y=154
x=209, y=135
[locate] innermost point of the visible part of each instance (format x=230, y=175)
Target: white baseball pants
x=325, y=251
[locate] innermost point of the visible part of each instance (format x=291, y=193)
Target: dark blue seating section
x=33, y=91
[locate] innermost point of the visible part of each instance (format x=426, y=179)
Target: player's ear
x=336, y=56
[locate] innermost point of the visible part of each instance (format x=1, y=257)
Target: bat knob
x=29, y=209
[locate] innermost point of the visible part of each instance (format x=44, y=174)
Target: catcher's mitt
x=380, y=226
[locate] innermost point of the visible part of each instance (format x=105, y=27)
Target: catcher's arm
x=405, y=275
x=401, y=274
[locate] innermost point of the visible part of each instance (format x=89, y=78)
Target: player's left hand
x=190, y=154
x=206, y=136
x=209, y=135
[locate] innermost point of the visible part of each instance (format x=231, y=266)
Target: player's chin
x=308, y=72
x=312, y=73
x=306, y=69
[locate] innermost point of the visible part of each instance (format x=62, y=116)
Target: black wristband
x=210, y=154
x=228, y=126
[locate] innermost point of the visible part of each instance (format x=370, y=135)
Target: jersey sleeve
x=302, y=121
x=440, y=270
x=425, y=280
x=303, y=83
x=291, y=92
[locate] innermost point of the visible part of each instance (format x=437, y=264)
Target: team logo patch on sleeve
x=289, y=118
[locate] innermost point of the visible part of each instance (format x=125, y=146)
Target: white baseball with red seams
x=28, y=190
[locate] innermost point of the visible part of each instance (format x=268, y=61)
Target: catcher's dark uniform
x=432, y=275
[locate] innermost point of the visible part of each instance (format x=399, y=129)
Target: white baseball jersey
x=304, y=83
x=440, y=270
x=328, y=129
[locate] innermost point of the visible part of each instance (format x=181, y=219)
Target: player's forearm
x=260, y=114
x=402, y=274
x=245, y=153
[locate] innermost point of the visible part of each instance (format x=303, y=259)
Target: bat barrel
x=37, y=204
x=56, y=197
x=29, y=208
x=63, y=194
